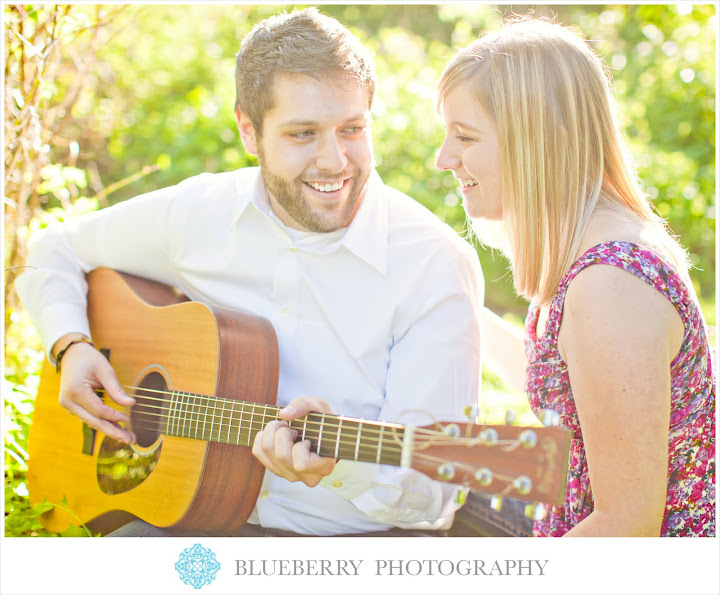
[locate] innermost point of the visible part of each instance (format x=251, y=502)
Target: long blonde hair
x=562, y=150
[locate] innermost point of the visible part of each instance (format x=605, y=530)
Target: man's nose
x=332, y=155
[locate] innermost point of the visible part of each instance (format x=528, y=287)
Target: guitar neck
x=215, y=419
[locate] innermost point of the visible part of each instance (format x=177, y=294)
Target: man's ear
x=247, y=132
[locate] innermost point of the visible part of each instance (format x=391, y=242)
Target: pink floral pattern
x=690, y=504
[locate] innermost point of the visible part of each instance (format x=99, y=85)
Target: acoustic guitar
x=205, y=382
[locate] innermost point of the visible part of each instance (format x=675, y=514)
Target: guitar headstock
x=527, y=463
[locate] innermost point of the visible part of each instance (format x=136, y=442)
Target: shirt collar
x=367, y=234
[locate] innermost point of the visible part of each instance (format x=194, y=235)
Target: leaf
x=42, y=508
x=73, y=531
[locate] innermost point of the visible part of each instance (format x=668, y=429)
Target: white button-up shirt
x=380, y=319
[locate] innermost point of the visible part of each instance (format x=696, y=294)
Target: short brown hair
x=301, y=42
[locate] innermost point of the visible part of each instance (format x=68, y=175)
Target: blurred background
x=103, y=103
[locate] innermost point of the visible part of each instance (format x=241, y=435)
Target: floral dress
x=690, y=504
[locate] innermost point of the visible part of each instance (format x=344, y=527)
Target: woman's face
x=470, y=150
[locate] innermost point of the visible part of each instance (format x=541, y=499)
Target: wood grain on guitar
x=205, y=382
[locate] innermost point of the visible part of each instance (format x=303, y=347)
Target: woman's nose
x=446, y=158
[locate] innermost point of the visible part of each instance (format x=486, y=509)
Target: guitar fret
x=337, y=439
x=357, y=442
x=205, y=406
x=242, y=416
x=193, y=418
x=212, y=422
x=232, y=420
x=180, y=416
x=196, y=419
x=240, y=425
x=252, y=421
x=380, y=443
x=304, y=427
x=252, y=432
x=204, y=401
x=322, y=423
x=173, y=414
x=188, y=416
x=191, y=413
x=186, y=402
x=222, y=421
x=168, y=419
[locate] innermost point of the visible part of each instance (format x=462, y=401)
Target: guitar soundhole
x=120, y=467
x=148, y=415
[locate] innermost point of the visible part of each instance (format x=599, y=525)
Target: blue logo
x=197, y=566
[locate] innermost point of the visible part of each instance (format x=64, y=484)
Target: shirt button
x=337, y=484
x=285, y=311
x=264, y=494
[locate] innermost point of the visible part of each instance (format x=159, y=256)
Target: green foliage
x=153, y=105
x=22, y=366
x=168, y=92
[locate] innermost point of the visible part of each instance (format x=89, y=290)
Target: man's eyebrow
x=310, y=123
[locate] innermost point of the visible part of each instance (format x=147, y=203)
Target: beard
x=290, y=195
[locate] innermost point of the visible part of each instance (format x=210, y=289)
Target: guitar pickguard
x=120, y=467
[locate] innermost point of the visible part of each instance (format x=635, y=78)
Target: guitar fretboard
x=215, y=419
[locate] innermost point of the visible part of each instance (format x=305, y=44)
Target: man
x=375, y=303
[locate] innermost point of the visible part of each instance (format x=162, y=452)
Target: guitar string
x=437, y=439
x=387, y=444
x=432, y=438
x=353, y=443
x=365, y=430
x=432, y=435
x=328, y=421
x=469, y=470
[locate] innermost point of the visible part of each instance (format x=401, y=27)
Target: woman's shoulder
x=650, y=303
x=647, y=263
x=647, y=252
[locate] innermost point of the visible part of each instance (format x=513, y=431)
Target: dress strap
x=636, y=260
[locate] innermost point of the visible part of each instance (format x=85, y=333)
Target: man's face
x=315, y=152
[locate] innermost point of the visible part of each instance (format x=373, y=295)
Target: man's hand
x=84, y=370
x=275, y=445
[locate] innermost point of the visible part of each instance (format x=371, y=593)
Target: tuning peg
x=471, y=413
x=461, y=496
x=496, y=503
x=509, y=417
x=528, y=438
x=535, y=511
x=452, y=430
x=488, y=436
x=522, y=484
x=446, y=471
x=549, y=418
x=484, y=476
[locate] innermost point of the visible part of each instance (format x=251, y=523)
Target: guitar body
x=157, y=340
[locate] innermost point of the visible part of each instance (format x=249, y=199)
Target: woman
x=619, y=351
